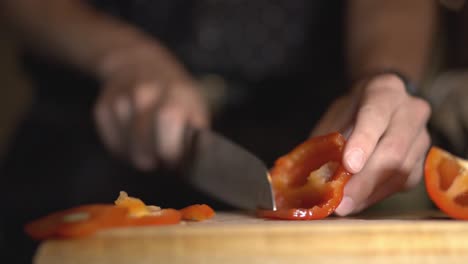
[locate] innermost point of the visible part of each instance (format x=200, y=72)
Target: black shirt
x=265, y=47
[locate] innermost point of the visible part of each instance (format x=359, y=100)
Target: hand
x=387, y=140
x=146, y=101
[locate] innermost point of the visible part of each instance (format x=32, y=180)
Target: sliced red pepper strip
x=197, y=212
x=446, y=180
x=309, y=181
x=76, y=222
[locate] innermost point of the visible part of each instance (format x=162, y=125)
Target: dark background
x=277, y=115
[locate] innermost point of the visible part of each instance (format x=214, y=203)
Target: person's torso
x=256, y=46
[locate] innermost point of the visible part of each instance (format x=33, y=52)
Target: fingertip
x=346, y=206
x=354, y=160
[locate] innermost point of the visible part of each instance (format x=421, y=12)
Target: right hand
x=145, y=103
x=387, y=141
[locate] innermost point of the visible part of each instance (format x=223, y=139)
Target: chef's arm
x=69, y=30
x=146, y=96
x=389, y=35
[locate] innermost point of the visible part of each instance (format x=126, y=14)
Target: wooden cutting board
x=241, y=238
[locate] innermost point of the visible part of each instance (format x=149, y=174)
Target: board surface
x=427, y=237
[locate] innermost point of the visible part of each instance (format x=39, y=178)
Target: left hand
x=387, y=140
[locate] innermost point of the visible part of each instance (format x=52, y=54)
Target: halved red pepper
x=309, y=181
x=446, y=180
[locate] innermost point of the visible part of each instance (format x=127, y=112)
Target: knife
x=226, y=171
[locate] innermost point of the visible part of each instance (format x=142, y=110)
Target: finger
x=170, y=124
x=390, y=154
x=199, y=116
x=190, y=97
x=107, y=121
x=146, y=99
x=381, y=99
x=408, y=176
x=396, y=182
x=416, y=159
x=122, y=113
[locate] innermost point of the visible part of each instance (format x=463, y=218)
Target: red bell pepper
x=309, y=181
x=446, y=180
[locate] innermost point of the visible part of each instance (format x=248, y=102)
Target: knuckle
x=394, y=153
x=146, y=95
x=372, y=114
x=364, y=137
x=422, y=107
x=388, y=82
x=426, y=139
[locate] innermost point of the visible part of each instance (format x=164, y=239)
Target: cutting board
x=425, y=237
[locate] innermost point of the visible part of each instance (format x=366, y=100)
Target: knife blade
x=228, y=172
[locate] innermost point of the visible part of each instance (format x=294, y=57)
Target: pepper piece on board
x=309, y=181
x=155, y=218
x=135, y=206
x=197, y=212
x=446, y=180
x=141, y=214
x=76, y=222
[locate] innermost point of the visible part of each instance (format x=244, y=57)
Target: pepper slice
x=309, y=181
x=76, y=222
x=135, y=206
x=160, y=217
x=197, y=212
x=87, y=219
x=446, y=180
x=140, y=214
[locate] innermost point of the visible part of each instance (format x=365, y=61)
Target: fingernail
x=355, y=160
x=346, y=206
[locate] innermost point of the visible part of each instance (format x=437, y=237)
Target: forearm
x=383, y=34
x=70, y=31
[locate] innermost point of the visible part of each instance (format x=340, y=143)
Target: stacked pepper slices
x=128, y=211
